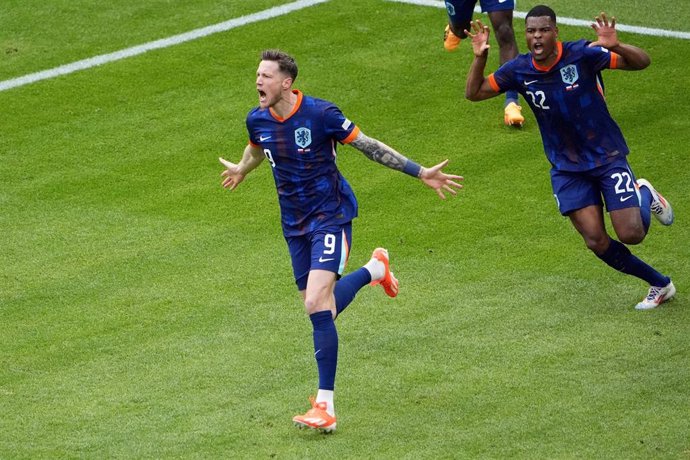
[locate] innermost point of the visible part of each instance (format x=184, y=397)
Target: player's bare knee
x=311, y=304
x=597, y=245
x=505, y=34
x=632, y=236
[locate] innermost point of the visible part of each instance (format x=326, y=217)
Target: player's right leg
x=579, y=197
x=317, y=287
x=589, y=222
x=459, y=17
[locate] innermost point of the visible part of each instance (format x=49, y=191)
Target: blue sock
x=325, y=348
x=511, y=96
x=347, y=287
x=646, y=207
x=618, y=256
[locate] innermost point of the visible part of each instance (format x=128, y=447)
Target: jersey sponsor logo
x=264, y=138
x=303, y=137
x=322, y=260
x=626, y=198
x=527, y=83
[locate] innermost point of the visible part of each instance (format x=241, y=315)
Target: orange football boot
x=512, y=115
x=450, y=40
x=316, y=418
x=389, y=282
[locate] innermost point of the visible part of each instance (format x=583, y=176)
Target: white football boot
x=660, y=207
x=656, y=296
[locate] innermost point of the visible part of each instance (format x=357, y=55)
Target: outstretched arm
x=433, y=177
x=235, y=173
x=478, y=88
x=631, y=57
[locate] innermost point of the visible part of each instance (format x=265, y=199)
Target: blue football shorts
x=327, y=248
x=614, y=182
x=460, y=11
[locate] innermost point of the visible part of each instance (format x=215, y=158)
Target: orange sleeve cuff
x=253, y=144
x=351, y=136
x=492, y=82
x=614, y=61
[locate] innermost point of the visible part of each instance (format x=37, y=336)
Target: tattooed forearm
x=379, y=152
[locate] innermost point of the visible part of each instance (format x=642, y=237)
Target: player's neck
x=286, y=103
x=549, y=61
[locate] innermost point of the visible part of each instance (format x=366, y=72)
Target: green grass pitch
x=145, y=312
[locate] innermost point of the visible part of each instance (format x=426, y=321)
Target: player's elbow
x=472, y=96
x=646, y=61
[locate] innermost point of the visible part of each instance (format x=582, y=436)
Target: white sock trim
x=327, y=397
x=375, y=268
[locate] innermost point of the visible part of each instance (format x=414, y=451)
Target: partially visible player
x=561, y=82
x=501, y=15
x=298, y=135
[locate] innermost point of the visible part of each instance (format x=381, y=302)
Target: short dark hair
x=541, y=10
x=286, y=63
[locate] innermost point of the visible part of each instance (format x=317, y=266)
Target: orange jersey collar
x=294, y=109
x=559, y=46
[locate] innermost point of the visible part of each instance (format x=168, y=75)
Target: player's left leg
x=376, y=271
x=501, y=16
x=631, y=202
x=655, y=203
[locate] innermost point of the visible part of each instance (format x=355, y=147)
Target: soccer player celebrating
x=501, y=15
x=298, y=135
x=562, y=84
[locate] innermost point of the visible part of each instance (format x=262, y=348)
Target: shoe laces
x=654, y=292
x=315, y=405
x=656, y=207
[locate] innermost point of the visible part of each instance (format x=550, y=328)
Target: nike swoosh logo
x=261, y=138
x=322, y=260
x=626, y=198
x=527, y=83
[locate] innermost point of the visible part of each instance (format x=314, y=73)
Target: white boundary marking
x=568, y=21
x=158, y=44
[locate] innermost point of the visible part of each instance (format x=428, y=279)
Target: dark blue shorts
x=615, y=182
x=460, y=11
x=325, y=249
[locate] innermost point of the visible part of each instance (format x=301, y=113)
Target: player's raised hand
x=440, y=181
x=480, y=38
x=606, y=31
x=232, y=174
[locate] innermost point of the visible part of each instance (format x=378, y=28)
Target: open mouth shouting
x=262, y=97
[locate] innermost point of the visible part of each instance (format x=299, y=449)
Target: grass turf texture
x=145, y=312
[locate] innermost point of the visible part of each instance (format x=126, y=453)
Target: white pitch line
x=569, y=21
x=158, y=44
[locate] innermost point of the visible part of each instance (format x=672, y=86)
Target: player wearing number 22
x=561, y=82
x=298, y=135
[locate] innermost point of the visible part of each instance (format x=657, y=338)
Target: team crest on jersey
x=303, y=137
x=570, y=76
